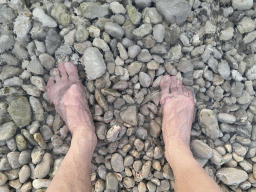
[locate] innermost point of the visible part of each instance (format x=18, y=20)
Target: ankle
x=85, y=138
x=177, y=149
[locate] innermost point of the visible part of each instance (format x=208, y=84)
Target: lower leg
x=189, y=175
x=178, y=110
x=75, y=171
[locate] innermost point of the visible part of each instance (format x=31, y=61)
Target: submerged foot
x=67, y=93
x=178, y=108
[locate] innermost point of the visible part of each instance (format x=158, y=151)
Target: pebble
x=47, y=61
x=37, y=154
x=52, y=41
x=144, y=79
x=25, y=157
x=113, y=133
x=21, y=142
x=42, y=169
x=114, y=30
x=246, y=25
x=145, y=170
x=3, y=179
x=128, y=182
x=111, y=182
x=40, y=140
x=117, y=8
x=226, y=118
x=7, y=131
x=46, y=20
x=129, y=115
x=117, y=162
x=142, y=31
x=81, y=34
x=41, y=183
x=209, y=124
x=13, y=159
x=227, y=34
x=22, y=26
x=242, y=5
x=231, y=176
x=201, y=149
x=6, y=42
x=61, y=14
x=93, y=62
x=91, y=10
x=133, y=51
x=24, y=173
x=216, y=158
x=174, y=11
x=101, y=44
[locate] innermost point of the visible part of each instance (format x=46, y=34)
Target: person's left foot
x=67, y=93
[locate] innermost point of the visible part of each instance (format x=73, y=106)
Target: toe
x=62, y=70
x=71, y=71
x=49, y=86
x=165, y=86
x=175, y=84
x=185, y=91
x=56, y=74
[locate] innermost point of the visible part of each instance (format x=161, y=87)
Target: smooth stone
x=52, y=41
x=41, y=183
x=142, y=31
x=174, y=11
x=226, y=118
x=21, y=142
x=42, y=169
x=20, y=111
x=7, y=131
x=129, y=115
x=93, y=10
x=208, y=122
x=93, y=62
x=114, y=30
x=201, y=149
x=242, y=4
x=61, y=14
x=111, y=182
x=117, y=162
x=46, y=20
x=231, y=176
x=24, y=173
x=47, y=61
x=13, y=159
x=144, y=79
x=3, y=179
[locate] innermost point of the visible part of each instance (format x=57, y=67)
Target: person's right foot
x=67, y=93
x=178, y=108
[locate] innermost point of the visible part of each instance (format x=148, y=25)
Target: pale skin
x=67, y=93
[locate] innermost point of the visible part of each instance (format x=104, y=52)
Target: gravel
x=122, y=49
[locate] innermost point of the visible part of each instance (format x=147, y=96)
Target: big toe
x=165, y=85
x=71, y=71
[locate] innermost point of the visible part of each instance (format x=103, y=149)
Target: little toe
x=62, y=70
x=165, y=85
x=56, y=74
x=185, y=91
x=71, y=71
x=49, y=86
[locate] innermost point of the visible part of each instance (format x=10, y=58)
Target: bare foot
x=178, y=108
x=67, y=93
